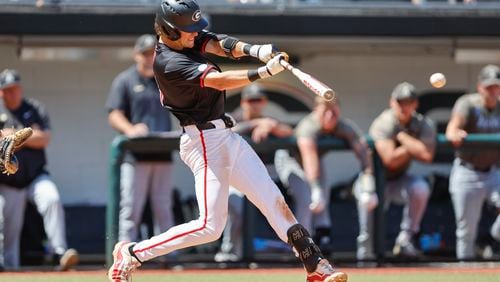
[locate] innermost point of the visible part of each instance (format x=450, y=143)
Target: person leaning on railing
x=474, y=177
x=401, y=135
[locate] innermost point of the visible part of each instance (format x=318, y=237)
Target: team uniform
x=142, y=174
x=32, y=182
x=217, y=156
x=232, y=239
x=474, y=177
x=346, y=130
x=401, y=187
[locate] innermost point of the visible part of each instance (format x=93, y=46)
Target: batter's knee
x=215, y=228
x=212, y=233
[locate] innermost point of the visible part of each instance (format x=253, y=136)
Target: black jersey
x=32, y=162
x=180, y=75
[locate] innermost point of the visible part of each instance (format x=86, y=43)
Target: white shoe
x=325, y=273
x=123, y=263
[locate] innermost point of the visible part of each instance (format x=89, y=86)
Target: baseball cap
x=9, y=77
x=489, y=75
x=404, y=91
x=253, y=91
x=144, y=43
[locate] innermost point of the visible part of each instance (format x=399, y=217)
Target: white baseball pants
x=219, y=158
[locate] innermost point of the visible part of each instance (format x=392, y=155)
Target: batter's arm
x=238, y=78
x=454, y=132
x=392, y=157
x=226, y=80
x=216, y=47
x=231, y=47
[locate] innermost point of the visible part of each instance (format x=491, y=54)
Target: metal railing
x=168, y=143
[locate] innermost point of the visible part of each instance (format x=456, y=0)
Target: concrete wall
x=75, y=92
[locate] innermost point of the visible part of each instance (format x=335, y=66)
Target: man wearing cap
x=252, y=123
x=401, y=135
x=135, y=111
x=326, y=120
x=194, y=88
x=474, y=177
x=32, y=181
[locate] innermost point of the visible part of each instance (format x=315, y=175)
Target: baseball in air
x=437, y=80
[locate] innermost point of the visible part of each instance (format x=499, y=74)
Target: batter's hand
x=273, y=66
x=9, y=144
x=263, y=52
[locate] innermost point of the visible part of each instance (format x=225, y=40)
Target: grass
x=358, y=275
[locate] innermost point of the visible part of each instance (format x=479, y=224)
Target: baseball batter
x=474, y=177
x=193, y=88
x=401, y=135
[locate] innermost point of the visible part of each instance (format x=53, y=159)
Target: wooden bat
x=310, y=82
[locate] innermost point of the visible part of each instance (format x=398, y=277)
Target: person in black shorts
x=193, y=88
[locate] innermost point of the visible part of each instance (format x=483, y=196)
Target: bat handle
x=286, y=64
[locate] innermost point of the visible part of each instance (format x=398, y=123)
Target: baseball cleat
x=325, y=273
x=123, y=263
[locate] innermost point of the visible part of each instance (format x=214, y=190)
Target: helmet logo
x=196, y=16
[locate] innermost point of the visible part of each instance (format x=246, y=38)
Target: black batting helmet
x=175, y=15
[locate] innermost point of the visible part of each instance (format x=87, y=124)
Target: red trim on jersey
x=204, y=45
x=205, y=72
x=205, y=161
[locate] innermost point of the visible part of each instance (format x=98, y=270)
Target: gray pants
x=138, y=181
x=469, y=190
x=411, y=191
x=43, y=193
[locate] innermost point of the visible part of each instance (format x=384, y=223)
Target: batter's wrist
x=246, y=49
x=262, y=72
x=253, y=50
x=253, y=75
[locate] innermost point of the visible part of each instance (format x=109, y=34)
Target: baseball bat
x=310, y=82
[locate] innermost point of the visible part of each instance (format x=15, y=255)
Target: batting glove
x=272, y=67
x=263, y=52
